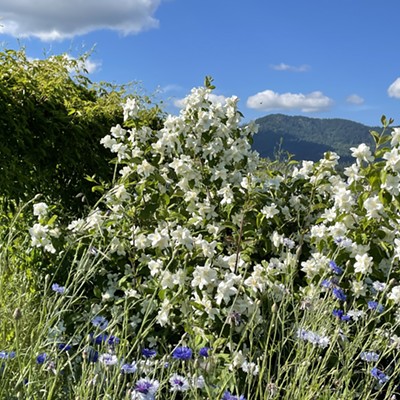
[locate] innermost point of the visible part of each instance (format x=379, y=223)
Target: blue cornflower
x=128, y=368
x=369, y=356
x=57, y=288
x=336, y=270
x=98, y=339
x=374, y=305
x=203, y=352
x=378, y=374
x=112, y=340
x=182, y=353
x=147, y=387
x=64, y=347
x=326, y=283
x=228, y=396
x=7, y=355
x=41, y=358
x=339, y=294
x=178, y=383
x=148, y=353
x=92, y=355
x=340, y=315
x=100, y=322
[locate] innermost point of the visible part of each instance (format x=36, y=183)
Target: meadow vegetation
x=203, y=272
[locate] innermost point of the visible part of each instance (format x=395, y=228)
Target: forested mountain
x=308, y=138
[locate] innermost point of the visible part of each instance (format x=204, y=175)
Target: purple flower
x=339, y=294
x=113, y=340
x=6, y=355
x=147, y=386
x=64, y=347
x=100, y=322
x=374, y=305
x=41, y=358
x=336, y=270
x=57, y=288
x=340, y=315
x=182, y=353
x=228, y=396
x=148, y=353
x=203, y=352
x=128, y=368
x=378, y=374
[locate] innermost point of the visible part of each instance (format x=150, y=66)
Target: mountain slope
x=308, y=138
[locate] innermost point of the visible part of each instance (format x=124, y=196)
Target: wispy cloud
x=269, y=100
x=355, y=99
x=59, y=19
x=291, y=68
x=394, y=89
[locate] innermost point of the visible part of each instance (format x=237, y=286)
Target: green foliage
x=52, y=118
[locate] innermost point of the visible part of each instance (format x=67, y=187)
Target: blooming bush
x=204, y=275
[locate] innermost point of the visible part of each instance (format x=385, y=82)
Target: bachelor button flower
x=148, y=353
x=100, y=322
x=91, y=355
x=98, y=339
x=112, y=340
x=369, y=356
x=378, y=374
x=64, y=347
x=6, y=355
x=203, y=352
x=182, y=353
x=228, y=396
x=108, y=359
x=178, y=383
x=128, y=368
x=147, y=387
x=336, y=270
x=374, y=305
x=41, y=358
x=339, y=294
x=340, y=315
x=57, y=288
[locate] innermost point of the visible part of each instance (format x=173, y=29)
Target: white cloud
x=214, y=98
x=292, y=68
x=394, y=89
x=270, y=100
x=355, y=99
x=60, y=19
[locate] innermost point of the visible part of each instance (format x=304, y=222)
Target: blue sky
x=319, y=58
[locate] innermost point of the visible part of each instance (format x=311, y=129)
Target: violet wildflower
x=178, y=383
x=7, y=355
x=57, y=288
x=128, y=368
x=378, y=374
x=369, y=356
x=203, y=352
x=41, y=358
x=228, y=396
x=100, y=322
x=108, y=359
x=147, y=387
x=374, y=305
x=148, y=353
x=182, y=353
x=339, y=294
x=64, y=347
x=336, y=270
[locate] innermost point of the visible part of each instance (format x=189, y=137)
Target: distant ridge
x=308, y=138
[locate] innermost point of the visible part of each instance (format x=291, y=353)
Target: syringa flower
x=182, y=353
